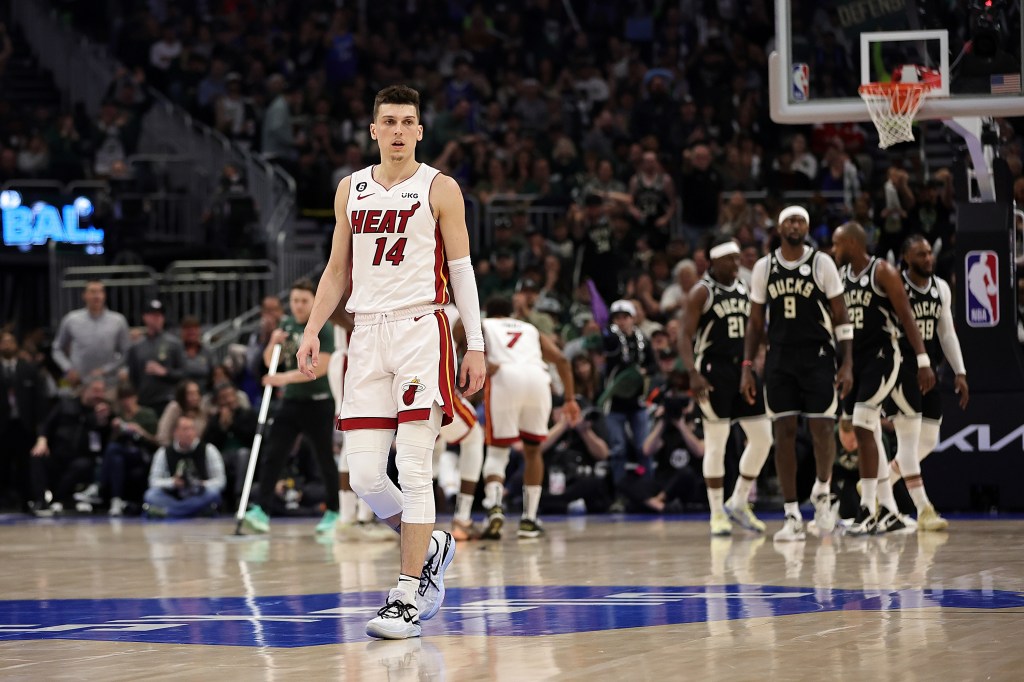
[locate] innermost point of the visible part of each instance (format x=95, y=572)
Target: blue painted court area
x=310, y=620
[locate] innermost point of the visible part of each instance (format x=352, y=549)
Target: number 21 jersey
x=398, y=258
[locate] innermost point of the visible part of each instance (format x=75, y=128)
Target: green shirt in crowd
x=318, y=389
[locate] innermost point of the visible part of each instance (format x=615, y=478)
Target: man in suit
x=23, y=409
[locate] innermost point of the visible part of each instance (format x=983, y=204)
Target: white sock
x=493, y=492
x=715, y=498
x=885, y=496
x=929, y=438
x=348, y=500
x=531, y=501
x=868, y=493
x=792, y=509
x=408, y=585
x=464, y=507
x=920, y=497
x=820, y=488
x=742, y=490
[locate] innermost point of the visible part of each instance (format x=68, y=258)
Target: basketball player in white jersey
x=517, y=400
x=466, y=432
x=399, y=242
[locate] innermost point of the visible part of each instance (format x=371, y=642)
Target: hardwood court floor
x=598, y=599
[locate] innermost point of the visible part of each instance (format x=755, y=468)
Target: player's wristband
x=844, y=332
x=923, y=360
x=747, y=363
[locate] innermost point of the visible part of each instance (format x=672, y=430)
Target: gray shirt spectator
x=156, y=362
x=91, y=341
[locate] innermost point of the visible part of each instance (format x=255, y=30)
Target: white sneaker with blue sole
x=431, y=590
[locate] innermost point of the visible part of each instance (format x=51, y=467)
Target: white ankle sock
x=716, y=496
x=408, y=585
x=531, y=500
x=792, y=509
x=820, y=488
x=492, y=494
x=868, y=493
x=464, y=507
x=885, y=496
x=742, y=490
x=919, y=496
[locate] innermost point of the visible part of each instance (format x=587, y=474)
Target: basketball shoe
x=396, y=619
x=824, y=513
x=865, y=523
x=792, y=530
x=495, y=521
x=720, y=524
x=743, y=515
x=929, y=520
x=530, y=528
x=431, y=590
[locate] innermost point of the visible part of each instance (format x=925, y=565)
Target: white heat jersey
x=398, y=258
x=512, y=342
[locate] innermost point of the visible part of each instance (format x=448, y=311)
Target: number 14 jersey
x=398, y=258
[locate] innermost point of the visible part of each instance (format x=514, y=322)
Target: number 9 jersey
x=398, y=258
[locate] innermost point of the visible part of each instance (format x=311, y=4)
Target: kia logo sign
x=978, y=438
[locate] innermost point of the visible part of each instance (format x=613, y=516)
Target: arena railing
x=128, y=289
x=82, y=71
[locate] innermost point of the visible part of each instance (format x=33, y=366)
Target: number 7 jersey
x=512, y=342
x=398, y=258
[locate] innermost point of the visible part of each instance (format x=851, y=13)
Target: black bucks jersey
x=871, y=313
x=723, y=322
x=926, y=303
x=718, y=350
x=794, y=294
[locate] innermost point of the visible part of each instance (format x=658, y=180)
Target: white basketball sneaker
x=792, y=530
x=396, y=619
x=431, y=590
x=824, y=513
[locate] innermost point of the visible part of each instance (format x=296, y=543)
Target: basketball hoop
x=893, y=106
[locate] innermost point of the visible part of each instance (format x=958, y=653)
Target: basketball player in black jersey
x=877, y=305
x=930, y=302
x=799, y=288
x=714, y=323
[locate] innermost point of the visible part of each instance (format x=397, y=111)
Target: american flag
x=1005, y=83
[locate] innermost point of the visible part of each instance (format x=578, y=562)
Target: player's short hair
x=909, y=242
x=499, y=306
x=396, y=94
x=304, y=284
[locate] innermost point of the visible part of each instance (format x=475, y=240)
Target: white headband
x=791, y=211
x=726, y=249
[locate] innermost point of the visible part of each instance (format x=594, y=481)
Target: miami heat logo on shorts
x=410, y=389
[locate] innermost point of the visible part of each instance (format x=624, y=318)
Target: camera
x=675, y=406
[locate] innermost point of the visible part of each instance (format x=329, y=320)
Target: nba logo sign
x=801, y=82
x=982, y=277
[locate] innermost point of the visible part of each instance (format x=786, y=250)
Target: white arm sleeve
x=826, y=274
x=759, y=281
x=467, y=300
x=948, y=339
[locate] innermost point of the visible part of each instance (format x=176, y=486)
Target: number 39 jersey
x=398, y=258
x=723, y=321
x=512, y=342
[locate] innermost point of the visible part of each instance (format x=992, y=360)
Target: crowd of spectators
x=644, y=134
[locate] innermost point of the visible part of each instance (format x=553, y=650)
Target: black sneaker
x=890, y=522
x=530, y=528
x=495, y=521
x=864, y=523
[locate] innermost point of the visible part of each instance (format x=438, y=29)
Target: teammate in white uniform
x=400, y=240
x=517, y=400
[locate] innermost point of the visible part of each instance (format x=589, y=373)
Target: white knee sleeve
x=343, y=459
x=759, y=443
x=367, y=455
x=496, y=462
x=865, y=416
x=471, y=454
x=440, y=445
x=929, y=438
x=908, y=437
x=716, y=437
x=414, y=448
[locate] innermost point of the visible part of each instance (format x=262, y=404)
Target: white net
x=892, y=107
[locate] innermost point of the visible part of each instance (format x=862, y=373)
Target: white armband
x=923, y=360
x=844, y=332
x=467, y=300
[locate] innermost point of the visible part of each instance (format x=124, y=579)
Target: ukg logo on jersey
x=981, y=269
